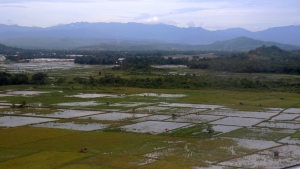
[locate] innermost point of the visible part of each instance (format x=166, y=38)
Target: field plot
x=153, y=127
x=73, y=126
x=280, y=125
x=237, y=121
x=65, y=113
x=195, y=118
x=142, y=130
x=93, y=95
x=26, y=93
x=232, y=113
x=289, y=155
x=13, y=121
x=80, y=104
x=115, y=116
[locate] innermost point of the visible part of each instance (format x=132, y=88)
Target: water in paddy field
x=73, y=126
x=13, y=121
x=288, y=155
x=154, y=127
x=81, y=95
x=238, y=121
x=115, y=116
x=26, y=93
x=65, y=113
x=81, y=104
x=38, y=67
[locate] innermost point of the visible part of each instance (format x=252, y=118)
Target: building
x=120, y=60
x=2, y=58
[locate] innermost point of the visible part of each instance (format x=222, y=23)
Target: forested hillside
x=261, y=60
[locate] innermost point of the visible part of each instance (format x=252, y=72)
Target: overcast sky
x=252, y=15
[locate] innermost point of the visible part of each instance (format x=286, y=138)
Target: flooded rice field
x=13, y=121
x=115, y=116
x=199, y=134
x=292, y=110
x=284, y=125
x=38, y=67
x=237, y=121
x=87, y=96
x=73, y=126
x=233, y=113
x=154, y=127
x=197, y=106
x=130, y=104
x=195, y=118
x=285, y=116
x=159, y=95
x=80, y=104
x=153, y=118
x=65, y=113
x=26, y=93
x=289, y=155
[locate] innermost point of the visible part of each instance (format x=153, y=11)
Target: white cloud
x=152, y=20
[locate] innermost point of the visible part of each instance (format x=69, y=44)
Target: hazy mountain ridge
x=136, y=32
x=237, y=44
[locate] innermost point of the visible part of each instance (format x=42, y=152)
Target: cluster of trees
x=262, y=60
x=19, y=79
x=193, y=82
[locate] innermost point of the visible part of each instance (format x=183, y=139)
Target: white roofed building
x=2, y=58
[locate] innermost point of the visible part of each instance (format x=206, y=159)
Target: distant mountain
x=8, y=50
x=244, y=44
x=237, y=44
x=51, y=43
x=84, y=33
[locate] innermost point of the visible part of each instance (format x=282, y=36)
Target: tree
x=20, y=79
x=39, y=78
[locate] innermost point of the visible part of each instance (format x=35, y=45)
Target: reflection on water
x=12, y=121
x=115, y=116
x=73, y=126
x=197, y=106
x=288, y=155
x=238, y=121
x=65, y=113
x=153, y=127
x=280, y=125
x=89, y=103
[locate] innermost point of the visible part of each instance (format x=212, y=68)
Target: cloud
x=152, y=20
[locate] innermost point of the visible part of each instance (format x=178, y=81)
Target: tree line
x=191, y=81
x=20, y=79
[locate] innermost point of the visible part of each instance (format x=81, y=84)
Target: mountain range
x=81, y=34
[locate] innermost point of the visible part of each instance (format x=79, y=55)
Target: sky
x=253, y=15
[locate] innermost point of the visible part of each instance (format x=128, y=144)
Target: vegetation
x=261, y=60
x=21, y=79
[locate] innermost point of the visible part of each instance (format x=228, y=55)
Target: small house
x=120, y=60
x=2, y=58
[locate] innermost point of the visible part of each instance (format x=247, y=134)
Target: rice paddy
x=146, y=128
